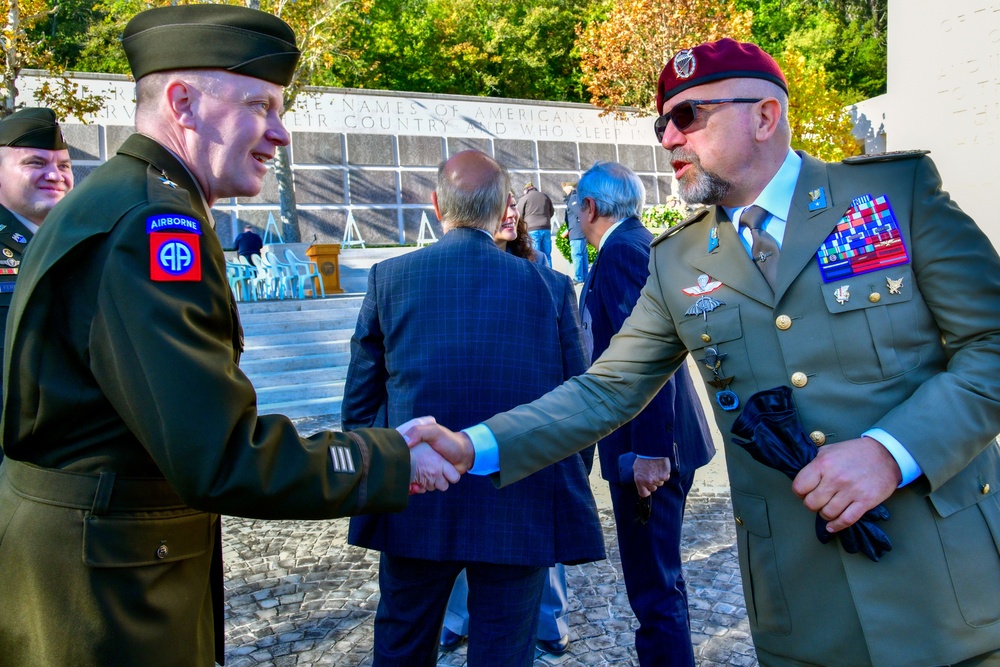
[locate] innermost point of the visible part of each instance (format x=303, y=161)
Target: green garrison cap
x=33, y=127
x=237, y=39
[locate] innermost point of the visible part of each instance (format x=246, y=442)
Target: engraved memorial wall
x=375, y=154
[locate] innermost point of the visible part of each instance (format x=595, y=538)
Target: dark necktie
x=764, y=249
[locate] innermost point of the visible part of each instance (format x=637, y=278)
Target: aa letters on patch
x=866, y=239
x=174, y=257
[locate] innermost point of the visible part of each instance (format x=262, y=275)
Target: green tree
x=623, y=52
x=845, y=37
x=21, y=50
x=472, y=47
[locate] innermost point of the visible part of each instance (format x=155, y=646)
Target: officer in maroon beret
x=866, y=292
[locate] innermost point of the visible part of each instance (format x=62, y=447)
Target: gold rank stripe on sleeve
x=342, y=459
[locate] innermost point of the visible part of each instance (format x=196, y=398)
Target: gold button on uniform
x=799, y=379
x=874, y=297
x=986, y=489
x=818, y=438
x=739, y=521
x=705, y=337
x=783, y=322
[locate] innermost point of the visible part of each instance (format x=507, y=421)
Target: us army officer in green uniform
x=35, y=174
x=883, y=316
x=128, y=425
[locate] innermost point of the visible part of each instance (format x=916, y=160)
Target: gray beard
x=705, y=188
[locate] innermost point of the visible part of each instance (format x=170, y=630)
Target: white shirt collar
x=608, y=233
x=776, y=197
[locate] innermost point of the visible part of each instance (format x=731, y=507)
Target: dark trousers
x=651, y=563
x=503, y=611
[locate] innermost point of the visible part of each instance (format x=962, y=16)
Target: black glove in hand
x=770, y=431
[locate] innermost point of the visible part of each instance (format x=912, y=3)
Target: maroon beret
x=714, y=61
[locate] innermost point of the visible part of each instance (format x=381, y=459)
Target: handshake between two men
x=438, y=456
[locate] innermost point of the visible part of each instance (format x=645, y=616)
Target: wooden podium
x=327, y=258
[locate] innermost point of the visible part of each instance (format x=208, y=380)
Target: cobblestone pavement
x=297, y=594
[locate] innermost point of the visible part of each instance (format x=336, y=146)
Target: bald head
x=471, y=191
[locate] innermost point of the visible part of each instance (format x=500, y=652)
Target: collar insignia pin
x=713, y=239
x=817, y=199
x=18, y=237
x=166, y=181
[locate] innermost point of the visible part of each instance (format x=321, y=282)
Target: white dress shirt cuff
x=907, y=464
x=487, y=450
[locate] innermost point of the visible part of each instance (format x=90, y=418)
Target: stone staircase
x=297, y=351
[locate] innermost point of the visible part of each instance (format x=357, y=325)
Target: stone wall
x=375, y=154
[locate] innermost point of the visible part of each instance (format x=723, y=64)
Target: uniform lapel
x=806, y=230
x=729, y=261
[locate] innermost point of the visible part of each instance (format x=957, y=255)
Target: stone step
x=255, y=368
x=278, y=323
x=297, y=352
x=297, y=376
x=289, y=393
x=253, y=308
x=252, y=353
x=295, y=337
x=306, y=408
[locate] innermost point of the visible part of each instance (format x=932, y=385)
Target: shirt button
x=799, y=379
x=783, y=322
x=818, y=438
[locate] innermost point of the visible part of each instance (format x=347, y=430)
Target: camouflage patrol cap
x=32, y=127
x=237, y=39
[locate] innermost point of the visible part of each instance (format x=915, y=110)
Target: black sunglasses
x=685, y=113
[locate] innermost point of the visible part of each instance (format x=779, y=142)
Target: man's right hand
x=456, y=448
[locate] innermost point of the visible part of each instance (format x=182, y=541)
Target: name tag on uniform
x=866, y=239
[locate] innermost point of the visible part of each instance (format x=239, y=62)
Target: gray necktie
x=764, y=249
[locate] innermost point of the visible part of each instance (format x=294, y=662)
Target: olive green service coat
x=923, y=364
x=128, y=427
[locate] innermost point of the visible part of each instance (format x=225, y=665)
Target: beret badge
x=684, y=64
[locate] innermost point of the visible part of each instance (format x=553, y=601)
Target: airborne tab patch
x=174, y=257
x=162, y=223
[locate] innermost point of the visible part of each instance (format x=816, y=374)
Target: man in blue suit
x=462, y=330
x=649, y=463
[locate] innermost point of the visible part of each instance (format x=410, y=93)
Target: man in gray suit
x=864, y=287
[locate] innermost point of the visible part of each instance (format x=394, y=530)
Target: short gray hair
x=616, y=190
x=480, y=208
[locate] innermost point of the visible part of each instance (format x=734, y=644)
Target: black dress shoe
x=554, y=646
x=449, y=639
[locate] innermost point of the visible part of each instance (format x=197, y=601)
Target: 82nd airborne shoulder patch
x=174, y=248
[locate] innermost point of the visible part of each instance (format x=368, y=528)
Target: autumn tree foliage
x=817, y=114
x=20, y=50
x=622, y=54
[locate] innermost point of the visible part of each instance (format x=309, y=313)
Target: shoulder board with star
x=695, y=217
x=161, y=190
x=884, y=157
